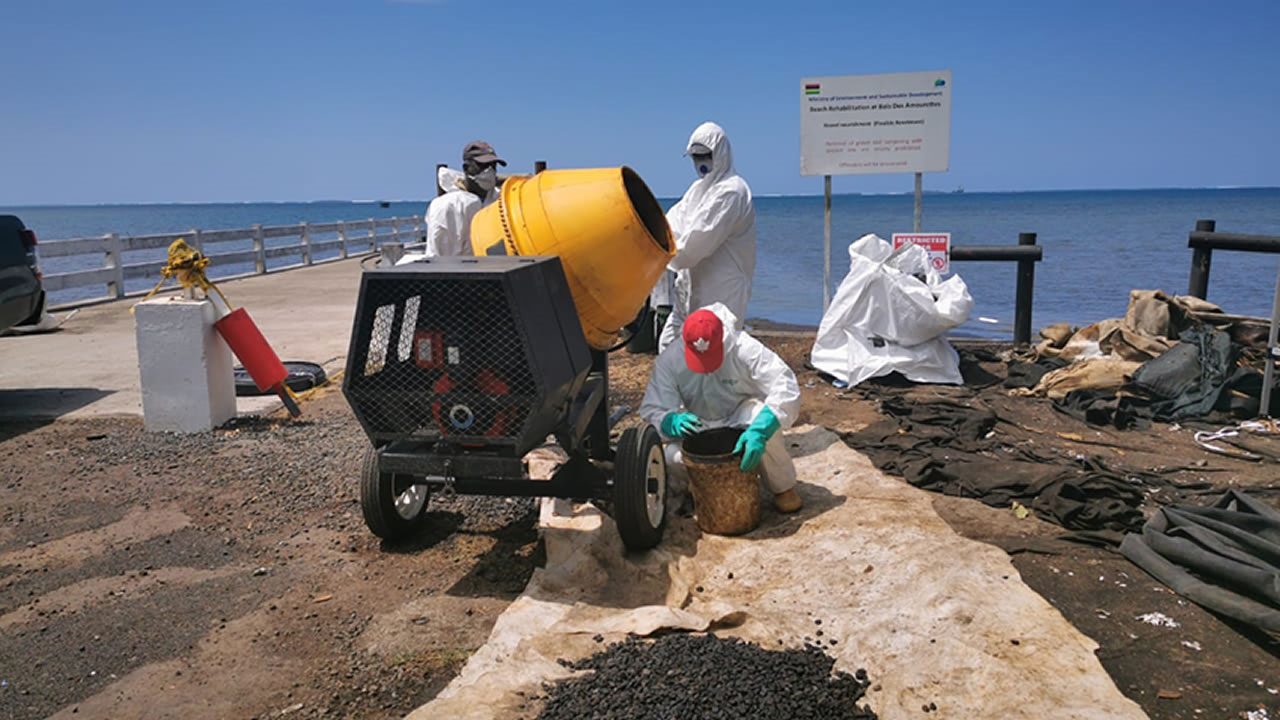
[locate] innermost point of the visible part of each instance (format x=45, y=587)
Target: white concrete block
x=186, y=369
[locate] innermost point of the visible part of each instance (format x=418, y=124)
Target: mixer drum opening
x=647, y=207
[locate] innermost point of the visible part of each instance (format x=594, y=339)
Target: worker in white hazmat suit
x=449, y=215
x=714, y=226
x=718, y=376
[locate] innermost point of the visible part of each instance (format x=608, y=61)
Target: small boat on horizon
x=958, y=190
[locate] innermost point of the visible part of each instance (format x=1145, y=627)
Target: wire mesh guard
x=440, y=359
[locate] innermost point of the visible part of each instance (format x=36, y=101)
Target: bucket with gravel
x=726, y=500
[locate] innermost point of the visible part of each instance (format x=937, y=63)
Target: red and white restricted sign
x=938, y=245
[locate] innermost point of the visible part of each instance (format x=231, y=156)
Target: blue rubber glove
x=678, y=425
x=752, y=441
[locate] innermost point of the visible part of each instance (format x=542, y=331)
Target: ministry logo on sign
x=812, y=88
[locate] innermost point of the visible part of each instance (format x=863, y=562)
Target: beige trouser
x=776, y=467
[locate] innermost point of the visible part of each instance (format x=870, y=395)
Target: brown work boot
x=788, y=501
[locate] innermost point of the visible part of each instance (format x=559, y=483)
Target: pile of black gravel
x=688, y=677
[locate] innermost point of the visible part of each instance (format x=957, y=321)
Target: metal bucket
x=726, y=500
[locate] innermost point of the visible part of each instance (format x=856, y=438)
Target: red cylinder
x=252, y=349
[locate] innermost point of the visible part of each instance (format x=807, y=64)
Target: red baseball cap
x=703, y=341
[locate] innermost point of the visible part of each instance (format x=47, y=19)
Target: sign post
x=915, y=216
x=826, y=243
x=873, y=124
x=1268, y=373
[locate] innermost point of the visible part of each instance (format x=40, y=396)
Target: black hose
x=622, y=344
x=631, y=329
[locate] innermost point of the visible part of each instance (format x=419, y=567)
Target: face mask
x=701, y=164
x=487, y=179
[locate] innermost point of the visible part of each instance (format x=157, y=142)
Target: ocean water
x=1098, y=244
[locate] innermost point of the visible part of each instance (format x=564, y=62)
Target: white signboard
x=866, y=124
x=938, y=245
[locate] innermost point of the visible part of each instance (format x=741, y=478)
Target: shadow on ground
x=22, y=411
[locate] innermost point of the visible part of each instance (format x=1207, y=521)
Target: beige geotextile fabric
x=1150, y=326
x=930, y=615
x=1095, y=373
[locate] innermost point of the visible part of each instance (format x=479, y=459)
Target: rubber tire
x=629, y=481
x=301, y=376
x=378, y=502
x=35, y=314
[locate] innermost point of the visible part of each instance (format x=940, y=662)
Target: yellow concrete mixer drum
x=608, y=229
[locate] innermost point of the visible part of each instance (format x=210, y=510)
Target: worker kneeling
x=719, y=377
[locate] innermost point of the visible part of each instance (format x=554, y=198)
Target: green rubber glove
x=766, y=423
x=678, y=425
x=752, y=441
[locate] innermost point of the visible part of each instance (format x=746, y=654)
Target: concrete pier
x=89, y=368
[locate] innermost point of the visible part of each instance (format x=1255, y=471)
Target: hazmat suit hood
x=730, y=322
x=711, y=135
x=451, y=180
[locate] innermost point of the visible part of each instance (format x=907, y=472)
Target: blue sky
x=305, y=100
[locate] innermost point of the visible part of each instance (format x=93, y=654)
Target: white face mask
x=701, y=164
x=487, y=179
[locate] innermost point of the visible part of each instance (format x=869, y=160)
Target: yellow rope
x=187, y=266
x=328, y=381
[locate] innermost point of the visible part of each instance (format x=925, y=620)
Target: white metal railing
x=362, y=236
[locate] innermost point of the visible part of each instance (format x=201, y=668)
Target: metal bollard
x=1200, y=260
x=1025, y=294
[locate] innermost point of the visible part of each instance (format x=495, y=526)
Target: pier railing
x=1026, y=253
x=345, y=237
x=1205, y=239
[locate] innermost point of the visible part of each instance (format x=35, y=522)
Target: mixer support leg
x=598, y=430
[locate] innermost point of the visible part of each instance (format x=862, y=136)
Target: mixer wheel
x=640, y=488
x=394, y=507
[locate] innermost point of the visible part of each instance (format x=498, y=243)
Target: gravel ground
x=705, y=677
x=229, y=574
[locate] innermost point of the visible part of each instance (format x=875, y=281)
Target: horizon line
x=908, y=193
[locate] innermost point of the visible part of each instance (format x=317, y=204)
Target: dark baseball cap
x=481, y=153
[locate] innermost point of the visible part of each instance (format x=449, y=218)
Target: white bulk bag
x=883, y=319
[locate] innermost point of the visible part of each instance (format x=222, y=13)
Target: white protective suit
x=751, y=377
x=449, y=216
x=714, y=226
x=884, y=319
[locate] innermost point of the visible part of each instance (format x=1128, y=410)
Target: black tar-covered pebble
x=705, y=677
